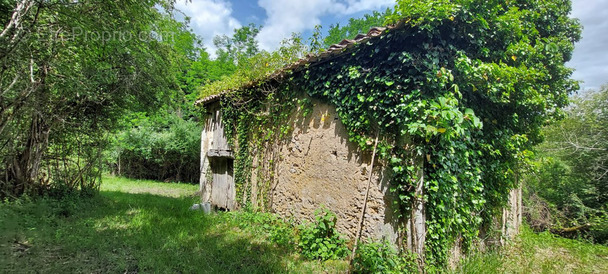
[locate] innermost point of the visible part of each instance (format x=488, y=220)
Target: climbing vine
x=460, y=89
x=255, y=121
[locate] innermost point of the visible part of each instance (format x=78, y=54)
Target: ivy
x=254, y=120
x=461, y=92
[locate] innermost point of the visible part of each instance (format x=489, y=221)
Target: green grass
x=139, y=226
x=540, y=253
x=145, y=226
x=125, y=185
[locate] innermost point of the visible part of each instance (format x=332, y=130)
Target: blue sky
x=280, y=18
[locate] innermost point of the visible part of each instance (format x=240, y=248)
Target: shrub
x=320, y=240
x=165, y=150
x=557, y=198
x=274, y=228
x=380, y=257
x=570, y=168
x=599, y=228
x=539, y=213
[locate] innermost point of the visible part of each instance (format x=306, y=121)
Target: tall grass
x=540, y=253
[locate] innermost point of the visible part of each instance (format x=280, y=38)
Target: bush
x=599, y=228
x=276, y=230
x=320, y=240
x=165, y=150
x=382, y=258
x=557, y=198
x=539, y=213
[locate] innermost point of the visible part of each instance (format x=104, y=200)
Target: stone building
x=316, y=165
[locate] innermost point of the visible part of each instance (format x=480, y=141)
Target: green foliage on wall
x=461, y=91
x=255, y=122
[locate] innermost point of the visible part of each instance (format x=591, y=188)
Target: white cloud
x=209, y=18
x=354, y=6
x=288, y=16
x=590, y=59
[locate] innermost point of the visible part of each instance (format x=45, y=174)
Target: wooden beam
x=221, y=153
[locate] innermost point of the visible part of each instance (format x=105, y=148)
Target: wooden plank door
x=219, y=136
x=223, y=190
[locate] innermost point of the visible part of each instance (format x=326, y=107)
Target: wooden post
x=205, y=185
x=416, y=224
x=369, y=182
x=512, y=215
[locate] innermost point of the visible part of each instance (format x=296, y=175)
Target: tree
x=193, y=66
x=164, y=144
x=572, y=166
x=257, y=67
x=581, y=140
x=315, y=41
x=240, y=46
x=68, y=71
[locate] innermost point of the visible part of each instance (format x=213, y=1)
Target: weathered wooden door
x=223, y=191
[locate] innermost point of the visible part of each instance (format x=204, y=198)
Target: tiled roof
x=312, y=59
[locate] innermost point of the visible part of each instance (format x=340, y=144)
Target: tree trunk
x=570, y=231
x=25, y=166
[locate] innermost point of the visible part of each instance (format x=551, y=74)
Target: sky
x=280, y=18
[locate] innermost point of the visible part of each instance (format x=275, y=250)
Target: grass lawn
x=139, y=226
x=540, y=253
x=125, y=185
x=145, y=226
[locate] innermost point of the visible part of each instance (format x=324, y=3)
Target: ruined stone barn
x=296, y=155
x=314, y=166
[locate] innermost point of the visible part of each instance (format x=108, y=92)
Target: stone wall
x=318, y=166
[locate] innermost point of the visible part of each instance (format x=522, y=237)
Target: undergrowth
x=539, y=253
x=381, y=257
x=321, y=240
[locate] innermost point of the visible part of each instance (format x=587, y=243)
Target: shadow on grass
x=123, y=232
